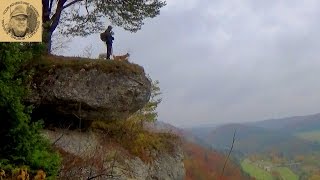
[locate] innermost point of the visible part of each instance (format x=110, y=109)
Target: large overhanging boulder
x=88, y=89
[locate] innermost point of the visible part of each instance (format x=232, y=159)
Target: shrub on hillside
x=22, y=143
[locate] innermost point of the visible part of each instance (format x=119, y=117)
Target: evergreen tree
x=83, y=17
x=21, y=141
x=149, y=112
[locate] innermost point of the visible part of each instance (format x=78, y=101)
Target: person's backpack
x=103, y=36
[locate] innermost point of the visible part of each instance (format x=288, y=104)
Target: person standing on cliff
x=109, y=41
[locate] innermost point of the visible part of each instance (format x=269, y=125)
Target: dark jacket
x=110, y=39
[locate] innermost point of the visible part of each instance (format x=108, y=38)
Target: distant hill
x=187, y=134
x=291, y=124
x=251, y=139
x=284, y=135
x=202, y=131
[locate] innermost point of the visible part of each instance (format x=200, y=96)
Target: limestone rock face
x=87, y=155
x=91, y=91
x=165, y=167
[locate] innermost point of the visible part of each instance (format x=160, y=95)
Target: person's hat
x=19, y=10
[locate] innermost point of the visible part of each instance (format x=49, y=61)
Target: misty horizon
x=221, y=61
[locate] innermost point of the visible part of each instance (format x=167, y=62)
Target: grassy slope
x=255, y=172
x=310, y=136
x=47, y=63
x=287, y=174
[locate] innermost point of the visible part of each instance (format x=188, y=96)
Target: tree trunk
x=48, y=45
x=50, y=24
x=47, y=35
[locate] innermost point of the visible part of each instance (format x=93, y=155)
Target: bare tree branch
x=225, y=163
x=60, y=136
x=96, y=176
x=113, y=162
x=87, y=51
x=71, y=3
x=60, y=43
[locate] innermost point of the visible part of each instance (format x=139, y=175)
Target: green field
x=310, y=136
x=261, y=174
x=287, y=174
x=255, y=172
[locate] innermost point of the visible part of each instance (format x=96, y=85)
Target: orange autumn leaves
x=204, y=164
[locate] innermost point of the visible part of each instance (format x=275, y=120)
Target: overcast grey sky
x=227, y=60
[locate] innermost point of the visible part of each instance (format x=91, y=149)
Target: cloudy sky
x=227, y=60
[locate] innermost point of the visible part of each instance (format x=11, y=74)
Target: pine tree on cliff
x=149, y=112
x=84, y=17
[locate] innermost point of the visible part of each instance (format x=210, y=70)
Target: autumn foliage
x=203, y=164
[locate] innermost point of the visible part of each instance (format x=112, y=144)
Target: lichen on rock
x=88, y=89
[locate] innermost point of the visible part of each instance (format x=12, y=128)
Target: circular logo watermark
x=20, y=20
